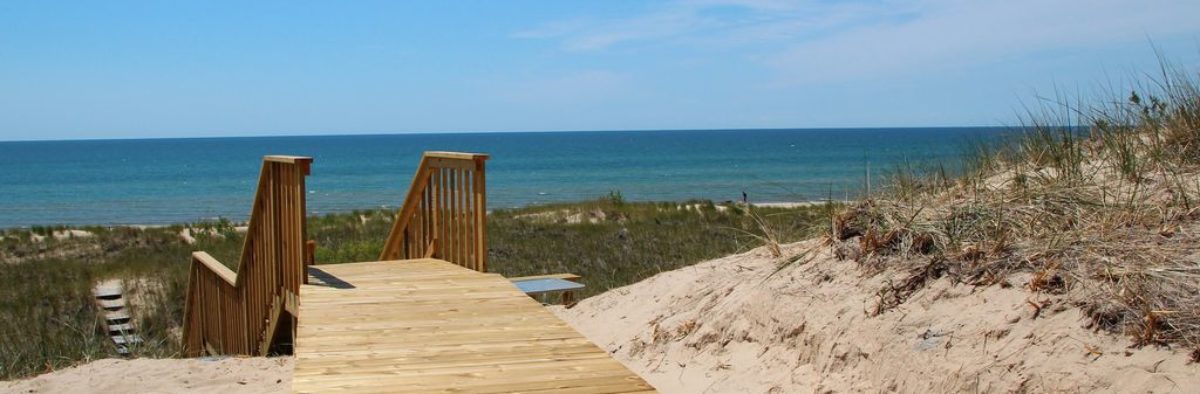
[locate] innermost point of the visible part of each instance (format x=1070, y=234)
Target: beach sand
x=230, y=375
x=793, y=204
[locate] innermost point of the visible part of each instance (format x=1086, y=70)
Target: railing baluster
x=469, y=214
x=459, y=217
x=452, y=218
x=456, y=228
x=439, y=241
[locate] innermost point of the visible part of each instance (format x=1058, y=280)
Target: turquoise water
x=159, y=181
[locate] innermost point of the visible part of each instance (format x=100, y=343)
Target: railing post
x=480, y=188
x=310, y=256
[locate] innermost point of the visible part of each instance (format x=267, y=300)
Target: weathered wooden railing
x=248, y=312
x=445, y=212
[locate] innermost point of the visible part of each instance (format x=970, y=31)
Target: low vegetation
x=50, y=321
x=47, y=312
x=1092, y=206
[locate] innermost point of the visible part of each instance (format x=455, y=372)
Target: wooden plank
x=456, y=155
x=428, y=367
x=111, y=304
x=314, y=353
x=386, y=327
x=352, y=311
x=535, y=376
x=286, y=159
x=108, y=291
x=214, y=266
x=126, y=339
x=340, y=362
x=445, y=163
x=416, y=192
x=327, y=365
x=116, y=316
x=387, y=275
x=432, y=326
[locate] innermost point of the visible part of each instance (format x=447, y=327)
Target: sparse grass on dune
x=611, y=243
x=48, y=315
x=49, y=320
x=1094, y=206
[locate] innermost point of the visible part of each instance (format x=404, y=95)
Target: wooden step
x=126, y=339
x=117, y=317
x=120, y=328
x=112, y=305
x=107, y=290
x=107, y=295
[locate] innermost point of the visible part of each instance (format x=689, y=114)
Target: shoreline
x=242, y=223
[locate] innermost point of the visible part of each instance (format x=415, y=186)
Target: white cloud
x=709, y=21
x=948, y=34
x=810, y=41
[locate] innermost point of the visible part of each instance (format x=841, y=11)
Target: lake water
x=160, y=181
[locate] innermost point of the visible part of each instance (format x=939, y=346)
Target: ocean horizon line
x=477, y=132
x=245, y=219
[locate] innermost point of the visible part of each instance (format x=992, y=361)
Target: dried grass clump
x=1100, y=204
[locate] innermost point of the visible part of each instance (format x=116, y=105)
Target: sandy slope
x=725, y=326
x=728, y=325
x=225, y=376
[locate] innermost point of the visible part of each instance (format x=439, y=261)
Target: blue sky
x=115, y=69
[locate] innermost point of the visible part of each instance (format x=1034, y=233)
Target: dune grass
x=1094, y=204
x=47, y=313
x=49, y=321
x=630, y=242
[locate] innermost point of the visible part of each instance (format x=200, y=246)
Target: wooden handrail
x=228, y=313
x=444, y=214
x=223, y=272
x=457, y=155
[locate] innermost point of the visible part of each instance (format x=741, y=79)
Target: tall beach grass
x=1092, y=204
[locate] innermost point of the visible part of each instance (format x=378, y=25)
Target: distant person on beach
x=745, y=200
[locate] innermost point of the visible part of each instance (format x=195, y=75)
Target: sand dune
x=729, y=325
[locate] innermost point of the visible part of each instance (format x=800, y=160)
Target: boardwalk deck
x=430, y=326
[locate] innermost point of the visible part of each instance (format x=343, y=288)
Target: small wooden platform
x=429, y=326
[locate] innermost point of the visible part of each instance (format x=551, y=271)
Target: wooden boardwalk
x=429, y=326
x=428, y=318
